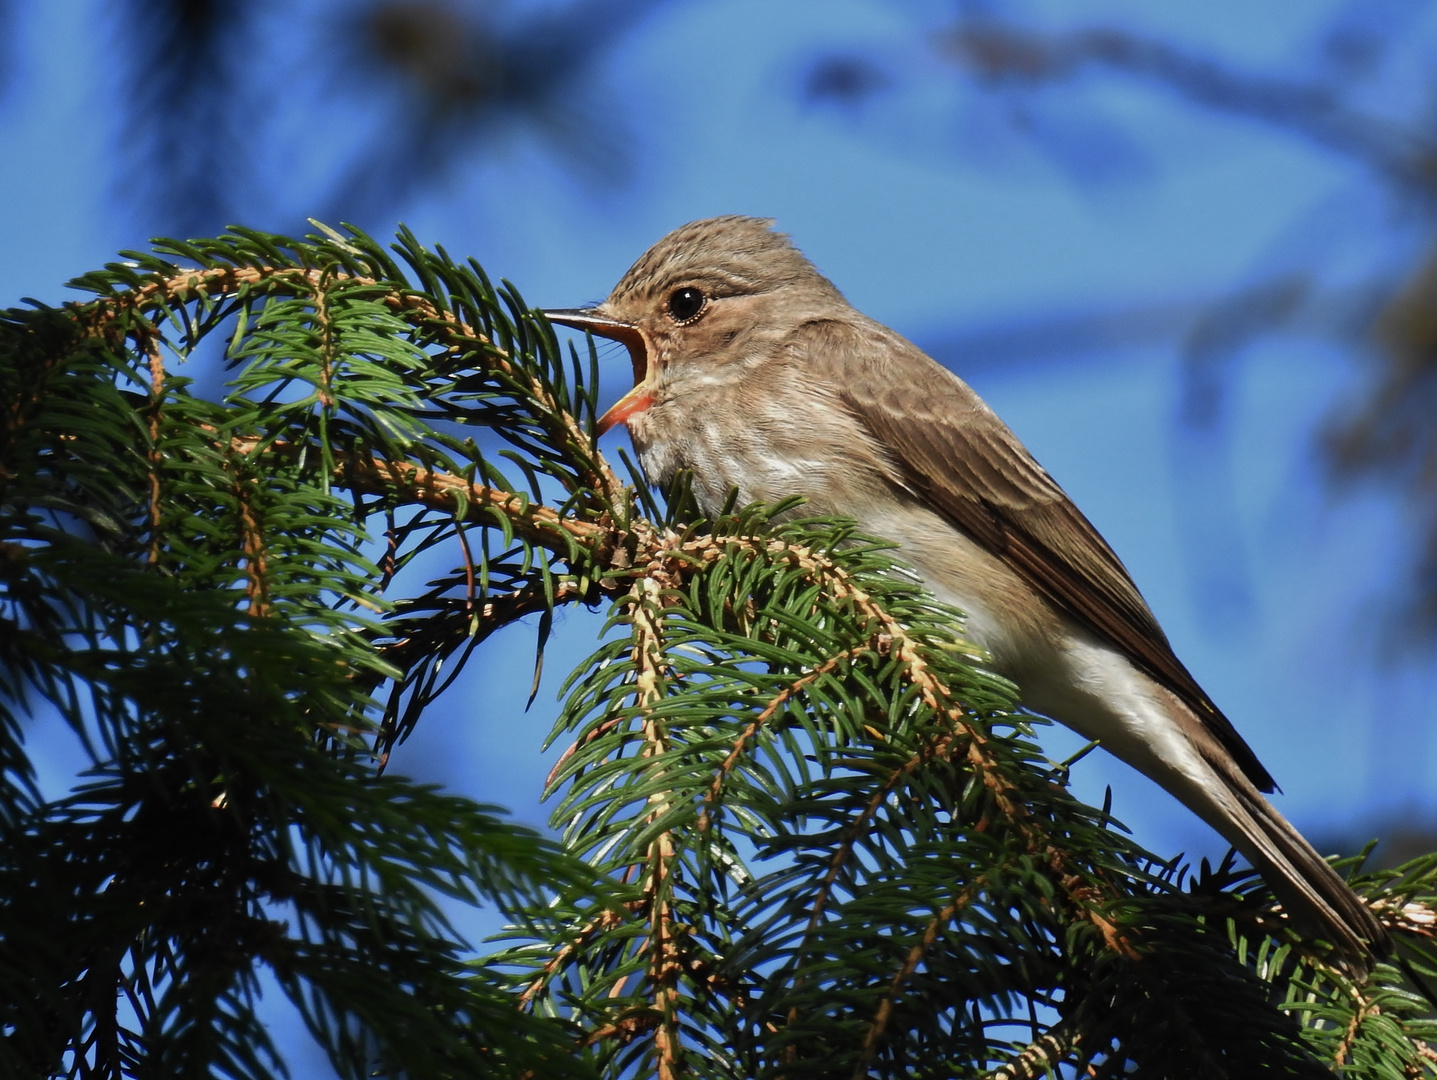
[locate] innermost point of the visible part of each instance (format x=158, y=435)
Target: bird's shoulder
x=934, y=420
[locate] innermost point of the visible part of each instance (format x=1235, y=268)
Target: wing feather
x=955, y=452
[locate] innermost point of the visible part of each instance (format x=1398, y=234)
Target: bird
x=755, y=375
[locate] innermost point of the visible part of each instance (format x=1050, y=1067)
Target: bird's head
x=710, y=295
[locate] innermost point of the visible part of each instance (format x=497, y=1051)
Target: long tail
x=1105, y=697
x=1205, y=777
x=1315, y=897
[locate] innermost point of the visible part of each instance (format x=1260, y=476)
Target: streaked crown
x=725, y=256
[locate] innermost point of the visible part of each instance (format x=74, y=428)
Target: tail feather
x=1316, y=898
x=1103, y=695
x=1206, y=778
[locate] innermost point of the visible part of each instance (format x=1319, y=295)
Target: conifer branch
x=1042, y=1056
x=873, y=1037
x=775, y=705
x=665, y=970
x=827, y=844
x=146, y=338
x=1365, y=1008
x=405, y=482
x=462, y=342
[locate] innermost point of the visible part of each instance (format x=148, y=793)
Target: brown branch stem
x=665, y=962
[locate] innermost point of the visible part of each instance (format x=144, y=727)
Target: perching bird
x=754, y=373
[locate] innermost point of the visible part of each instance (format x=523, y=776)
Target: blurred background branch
x=436, y=82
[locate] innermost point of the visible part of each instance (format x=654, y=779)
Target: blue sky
x=935, y=217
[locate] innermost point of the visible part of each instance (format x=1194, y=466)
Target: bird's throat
x=630, y=405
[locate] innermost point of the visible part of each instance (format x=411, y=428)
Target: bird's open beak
x=639, y=398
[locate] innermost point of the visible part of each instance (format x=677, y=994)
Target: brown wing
x=955, y=452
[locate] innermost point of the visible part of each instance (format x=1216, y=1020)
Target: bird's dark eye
x=686, y=303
